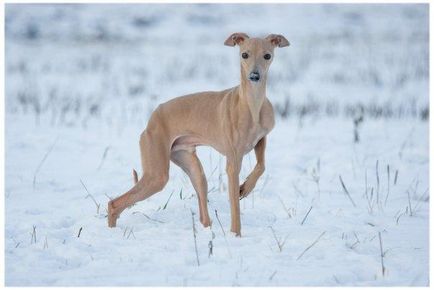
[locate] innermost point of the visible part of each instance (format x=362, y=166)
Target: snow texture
x=81, y=81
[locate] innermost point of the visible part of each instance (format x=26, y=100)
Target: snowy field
x=81, y=82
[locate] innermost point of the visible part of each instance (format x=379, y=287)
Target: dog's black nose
x=254, y=76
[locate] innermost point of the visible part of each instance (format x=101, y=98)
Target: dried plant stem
x=148, y=217
x=91, y=196
x=217, y=216
x=388, y=184
x=167, y=202
x=103, y=157
x=305, y=217
x=366, y=182
x=378, y=184
x=131, y=233
x=194, y=235
x=409, y=203
x=369, y=200
x=346, y=191
x=33, y=238
x=421, y=198
x=383, y=269
x=313, y=244
x=224, y=234
x=42, y=162
x=279, y=243
x=285, y=208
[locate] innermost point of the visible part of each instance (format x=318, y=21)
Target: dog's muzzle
x=254, y=76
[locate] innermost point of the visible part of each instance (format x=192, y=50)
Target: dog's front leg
x=233, y=167
x=253, y=177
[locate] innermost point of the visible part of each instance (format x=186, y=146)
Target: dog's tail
x=135, y=177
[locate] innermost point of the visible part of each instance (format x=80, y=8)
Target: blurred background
x=72, y=65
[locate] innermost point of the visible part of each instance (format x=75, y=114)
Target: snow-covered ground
x=82, y=80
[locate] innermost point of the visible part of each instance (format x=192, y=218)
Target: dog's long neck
x=253, y=94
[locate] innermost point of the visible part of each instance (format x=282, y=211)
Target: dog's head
x=256, y=54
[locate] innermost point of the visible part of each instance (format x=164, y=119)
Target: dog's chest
x=254, y=134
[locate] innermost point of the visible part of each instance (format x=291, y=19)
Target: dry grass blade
x=378, y=184
x=221, y=226
x=272, y=276
x=409, y=203
x=313, y=244
x=194, y=235
x=305, y=217
x=91, y=196
x=346, y=191
x=264, y=184
x=103, y=157
x=210, y=249
x=285, y=208
x=423, y=197
x=383, y=269
x=167, y=202
x=279, y=243
x=212, y=173
x=366, y=182
x=131, y=233
x=224, y=234
x=148, y=217
x=388, y=184
x=33, y=238
x=42, y=161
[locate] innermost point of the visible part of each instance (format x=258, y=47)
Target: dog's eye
x=267, y=56
x=245, y=55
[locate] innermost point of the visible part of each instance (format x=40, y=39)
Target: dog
x=233, y=122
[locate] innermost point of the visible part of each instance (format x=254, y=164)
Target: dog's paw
x=245, y=189
x=112, y=216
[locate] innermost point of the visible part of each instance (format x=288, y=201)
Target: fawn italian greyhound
x=233, y=122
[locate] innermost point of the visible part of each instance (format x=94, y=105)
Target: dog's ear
x=277, y=40
x=236, y=38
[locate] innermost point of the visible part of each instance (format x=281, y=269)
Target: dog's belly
x=189, y=143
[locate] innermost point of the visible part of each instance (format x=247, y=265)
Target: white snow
x=89, y=98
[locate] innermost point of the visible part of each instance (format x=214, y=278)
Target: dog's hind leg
x=155, y=152
x=191, y=165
